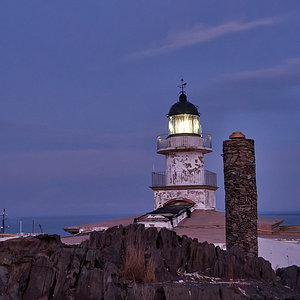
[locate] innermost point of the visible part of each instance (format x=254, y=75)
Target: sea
x=55, y=224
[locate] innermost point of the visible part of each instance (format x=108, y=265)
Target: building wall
x=185, y=168
x=279, y=253
x=203, y=198
x=158, y=223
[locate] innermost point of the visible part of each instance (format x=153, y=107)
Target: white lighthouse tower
x=185, y=179
x=185, y=186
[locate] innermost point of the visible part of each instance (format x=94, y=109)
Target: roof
x=100, y=225
x=209, y=225
x=171, y=208
x=183, y=107
x=205, y=225
x=168, y=212
x=75, y=239
x=204, y=218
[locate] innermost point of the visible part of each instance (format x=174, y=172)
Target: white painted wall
x=157, y=224
x=203, y=198
x=279, y=253
x=185, y=168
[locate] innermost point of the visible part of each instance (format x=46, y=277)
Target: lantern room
x=184, y=118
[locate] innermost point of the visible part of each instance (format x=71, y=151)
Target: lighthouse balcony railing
x=210, y=178
x=159, y=178
x=197, y=141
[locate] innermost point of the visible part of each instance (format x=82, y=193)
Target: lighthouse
x=185, y=180
x=185, y=185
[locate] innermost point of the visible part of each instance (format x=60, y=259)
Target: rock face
x=132, y=263
x=290, y=276
x=240, y=194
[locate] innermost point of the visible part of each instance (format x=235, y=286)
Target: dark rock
x=134, y=263
x=290, y=276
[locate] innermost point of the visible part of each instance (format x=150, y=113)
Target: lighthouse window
x=184, y=123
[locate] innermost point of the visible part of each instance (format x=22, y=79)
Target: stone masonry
x=240, y=193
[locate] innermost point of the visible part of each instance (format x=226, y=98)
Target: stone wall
x=240, y=194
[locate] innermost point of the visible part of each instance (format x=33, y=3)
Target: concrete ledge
x=184, y=148
x=184, y=187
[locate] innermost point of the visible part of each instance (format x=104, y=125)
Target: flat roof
x=205, y=225
x=111, y=223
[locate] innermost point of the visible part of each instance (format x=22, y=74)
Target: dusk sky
x=85, y=87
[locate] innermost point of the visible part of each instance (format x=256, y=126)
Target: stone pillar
x=240, y=193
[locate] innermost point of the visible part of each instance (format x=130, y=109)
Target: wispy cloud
x=274, y=88
x=287, y=70
x=201, y=34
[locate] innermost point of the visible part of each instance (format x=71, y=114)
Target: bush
x=136, y=268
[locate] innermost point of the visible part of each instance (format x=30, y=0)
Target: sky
x=85, y=87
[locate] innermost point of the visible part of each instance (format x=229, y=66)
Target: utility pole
x=3, y=221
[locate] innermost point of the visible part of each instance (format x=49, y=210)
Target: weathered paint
x=203, y=198
x=185, y=168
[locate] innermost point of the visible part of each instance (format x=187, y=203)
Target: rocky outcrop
x=290, y=277
x=132, y=263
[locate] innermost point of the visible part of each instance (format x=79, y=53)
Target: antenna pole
x=3, y=221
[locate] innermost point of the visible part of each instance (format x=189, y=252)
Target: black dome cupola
x=183, y=116
x=183, y=107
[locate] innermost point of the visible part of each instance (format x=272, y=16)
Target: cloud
x=270, y=89
x=288, y=71
x=201, y=34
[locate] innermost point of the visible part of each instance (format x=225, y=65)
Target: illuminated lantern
x=184, y=118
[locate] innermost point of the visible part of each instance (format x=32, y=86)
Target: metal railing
x=203, y=141
x=159, y=178
x=207, y=143
x=210, y=178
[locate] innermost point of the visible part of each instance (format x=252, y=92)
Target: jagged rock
x=290, y=276
x=134, y=263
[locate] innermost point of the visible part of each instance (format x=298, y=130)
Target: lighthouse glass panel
x=184, y=123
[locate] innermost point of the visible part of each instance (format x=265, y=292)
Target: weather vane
x=182, y=85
